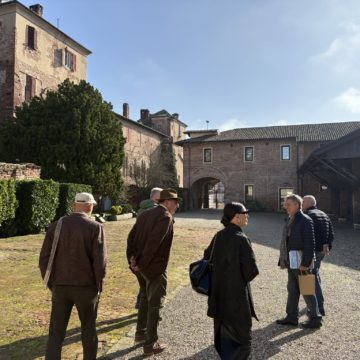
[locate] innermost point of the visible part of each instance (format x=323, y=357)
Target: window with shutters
x=31, y=37
x=69, y=60
x=29, y=88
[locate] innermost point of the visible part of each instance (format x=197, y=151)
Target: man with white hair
x=152, y=202
x=73, y=265
x=324, y=236
x=298, y=237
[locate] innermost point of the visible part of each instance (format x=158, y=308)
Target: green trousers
x=153, y=292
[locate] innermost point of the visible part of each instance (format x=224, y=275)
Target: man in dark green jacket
x=152, y=202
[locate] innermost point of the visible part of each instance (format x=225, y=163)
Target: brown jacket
x=150, y=239
x=80, y=258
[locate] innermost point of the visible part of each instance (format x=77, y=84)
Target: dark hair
x=230, y=210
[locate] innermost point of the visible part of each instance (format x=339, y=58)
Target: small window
x=208, y=155
x=249, y=192
x=70, y=60
x=285, y=152
x=249, y=153
x=29, y=88
x=283, y=193
x=31, y=37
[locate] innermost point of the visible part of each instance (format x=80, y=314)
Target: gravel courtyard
x=189, y=333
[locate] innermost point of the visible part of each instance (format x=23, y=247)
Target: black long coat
x=234, y=266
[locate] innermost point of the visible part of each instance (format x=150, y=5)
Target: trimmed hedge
x=8, y=201
x=38, y=201
x=67, y=195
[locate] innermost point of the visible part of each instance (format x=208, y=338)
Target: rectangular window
x=29, y=88
x=31, y=37
x=249, y=153
x=283, y=193
x=285, y=152
x=70, y=60
x=207, y=158
x=249, y=192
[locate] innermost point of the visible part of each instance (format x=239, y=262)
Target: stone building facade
x=146, y=137
x=259, y=164
x=35, y=55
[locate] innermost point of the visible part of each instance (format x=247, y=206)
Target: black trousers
x=85, y=298
x=232, y=341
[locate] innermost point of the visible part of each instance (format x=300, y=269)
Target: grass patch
x=25, y=303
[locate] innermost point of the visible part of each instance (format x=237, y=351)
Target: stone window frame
x=253, y=192
x=253, y=153
x=281, y=152
x=211, y=155
x=30, y=87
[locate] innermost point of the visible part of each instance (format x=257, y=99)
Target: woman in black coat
x=230, y=302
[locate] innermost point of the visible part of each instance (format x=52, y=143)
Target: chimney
x=144, y=114
x=175, y=115
x=37, y=9
x=126, y=111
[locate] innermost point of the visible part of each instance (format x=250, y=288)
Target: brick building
x=262, y=163
x=146, y=137
x=34, y=55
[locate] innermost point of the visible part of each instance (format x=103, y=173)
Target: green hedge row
x=38, y=202
x=8, y=201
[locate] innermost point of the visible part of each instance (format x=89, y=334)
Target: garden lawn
x=25, y=303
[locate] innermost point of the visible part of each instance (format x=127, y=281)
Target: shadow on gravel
x=31, y=348
x=205, y=354
x=267, y=342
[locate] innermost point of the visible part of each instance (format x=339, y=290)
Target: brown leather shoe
x=154, y=349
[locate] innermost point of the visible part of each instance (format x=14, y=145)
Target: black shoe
x=312, y=324
x=287, y=321
x=322, y=312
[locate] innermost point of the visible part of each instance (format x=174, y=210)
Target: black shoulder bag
x=200, y=274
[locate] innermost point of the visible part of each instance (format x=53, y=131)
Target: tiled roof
x=306, y=132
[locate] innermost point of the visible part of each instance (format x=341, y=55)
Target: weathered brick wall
x=141, y=145
x=19, y=171
x=7, y=52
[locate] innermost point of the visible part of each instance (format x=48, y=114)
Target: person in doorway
x=230, y=302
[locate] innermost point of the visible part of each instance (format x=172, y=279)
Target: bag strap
x=53, y=250
x=212, y=249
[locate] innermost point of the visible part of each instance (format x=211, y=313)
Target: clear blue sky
x=234, y=63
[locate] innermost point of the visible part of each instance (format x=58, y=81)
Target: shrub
x=67, y=194
x=116, y=210
x=8, y=201
x=38, y=201
x=127, y=208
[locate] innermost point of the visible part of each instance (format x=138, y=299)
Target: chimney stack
x=126, y=111
x=37, y=9
x=144, y=114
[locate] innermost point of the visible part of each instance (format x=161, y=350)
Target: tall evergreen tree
x=72, y=134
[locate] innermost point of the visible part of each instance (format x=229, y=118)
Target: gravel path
x=189, y=333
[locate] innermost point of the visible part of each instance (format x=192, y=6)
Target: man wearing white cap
x=73, y=264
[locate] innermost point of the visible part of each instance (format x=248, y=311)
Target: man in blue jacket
x=298, y=237
x=324, y=236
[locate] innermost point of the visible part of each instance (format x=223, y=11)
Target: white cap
x=84, y=198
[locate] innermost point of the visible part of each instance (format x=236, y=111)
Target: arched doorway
x=207, y=193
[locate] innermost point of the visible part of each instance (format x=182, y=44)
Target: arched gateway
x=207, y=193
